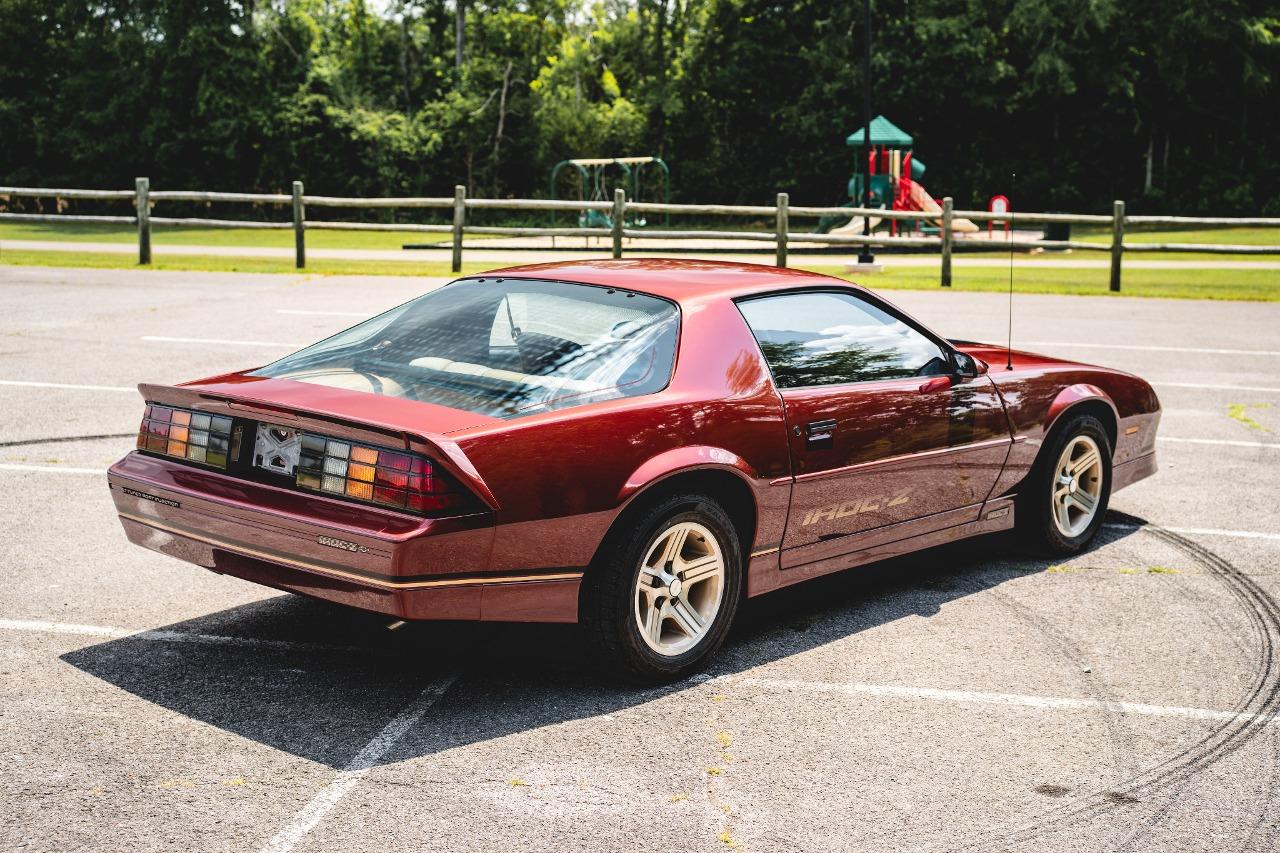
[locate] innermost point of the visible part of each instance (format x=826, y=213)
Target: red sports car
x=633, y=445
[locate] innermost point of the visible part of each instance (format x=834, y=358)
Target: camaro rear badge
x=353, y=547
x=134, y=493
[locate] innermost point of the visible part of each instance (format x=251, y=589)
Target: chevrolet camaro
x=632, y=445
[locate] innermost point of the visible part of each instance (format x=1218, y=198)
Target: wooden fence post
x=299, y=227
x=619, y=216
x=948, y=205
x=142, y=199
x=459, y=219
x=1117, y=243
x=781, y=225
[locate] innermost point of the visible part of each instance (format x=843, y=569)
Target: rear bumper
x=387, y=562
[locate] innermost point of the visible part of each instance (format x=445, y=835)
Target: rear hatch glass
x=501, y=347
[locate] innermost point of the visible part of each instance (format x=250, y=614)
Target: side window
x=835, y=338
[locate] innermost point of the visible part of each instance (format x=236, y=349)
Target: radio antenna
x=1013, y=190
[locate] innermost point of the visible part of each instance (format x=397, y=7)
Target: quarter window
x=823, y=338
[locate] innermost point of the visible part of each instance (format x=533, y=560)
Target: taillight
x=371, y=474
x=325, y=465
x=184, y=434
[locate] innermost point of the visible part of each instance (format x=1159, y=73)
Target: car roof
x=678, y=279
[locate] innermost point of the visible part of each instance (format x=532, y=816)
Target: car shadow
x=324, y=680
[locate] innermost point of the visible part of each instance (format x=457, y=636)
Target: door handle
x=818, y=434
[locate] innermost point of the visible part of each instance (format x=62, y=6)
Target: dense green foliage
x=1171, y=104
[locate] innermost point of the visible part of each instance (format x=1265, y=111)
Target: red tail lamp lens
x=185, y=434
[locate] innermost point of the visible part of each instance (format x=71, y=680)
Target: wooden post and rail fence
x=619, y=209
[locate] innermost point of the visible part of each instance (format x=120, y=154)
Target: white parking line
x=218, y=342
x=1207, y=387
x=49, y=469
x=981, y=698
x=161, y=635
x=15, y=383
x=321, y=313
x=1202, y=531
x=1223, y=442
x=1207, y=351
x=314, y=812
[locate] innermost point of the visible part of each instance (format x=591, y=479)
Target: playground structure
x=888, y=166
x=599, y=176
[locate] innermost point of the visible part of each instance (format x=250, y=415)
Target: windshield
x=501, y=347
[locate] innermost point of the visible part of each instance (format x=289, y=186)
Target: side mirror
x=968, y=366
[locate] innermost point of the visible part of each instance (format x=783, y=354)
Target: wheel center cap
x=674, y=587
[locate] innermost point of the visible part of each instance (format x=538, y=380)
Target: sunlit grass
x=1244, y=284
x=231, y=263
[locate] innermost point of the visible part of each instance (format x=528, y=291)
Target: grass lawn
x=1245, y=284
x=1252, y=285
x=1137, y=234
x=173, y=236
x=228, y=263
x=168, y=235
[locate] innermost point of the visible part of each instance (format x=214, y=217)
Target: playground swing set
x=599, y=176
x=885, y=163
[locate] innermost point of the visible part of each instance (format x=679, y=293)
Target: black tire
x=1035, y=511
x=606, y=612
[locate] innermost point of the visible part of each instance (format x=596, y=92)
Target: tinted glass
x=834, y=338
x=501, y=348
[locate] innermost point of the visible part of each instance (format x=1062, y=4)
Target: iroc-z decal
x=855, y=506
x=332, y=542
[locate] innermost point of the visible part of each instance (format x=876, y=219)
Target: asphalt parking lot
x=966, y=698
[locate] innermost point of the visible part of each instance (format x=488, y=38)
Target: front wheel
x=1066, y=496
x=659, y=601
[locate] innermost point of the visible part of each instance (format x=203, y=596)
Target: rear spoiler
x=435, y=445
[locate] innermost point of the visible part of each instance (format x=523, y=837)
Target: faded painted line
x=1202, y=531
x=14, y=383
x=218, y=342
x=1206, y=387
x=973, y=697
x=314, y=812
x=306, y=313
x=49, y=469
x=1223, y=442
x=164, y=636
x=1143, y=348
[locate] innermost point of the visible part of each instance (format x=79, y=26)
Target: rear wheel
x=659, y=601
x=1067, y=494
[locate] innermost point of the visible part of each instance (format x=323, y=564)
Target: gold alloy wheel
x=1077, y=486
x=679, y=588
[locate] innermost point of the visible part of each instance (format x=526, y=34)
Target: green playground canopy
x=883, y=132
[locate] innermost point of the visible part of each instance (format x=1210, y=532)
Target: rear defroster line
x=1253, y=713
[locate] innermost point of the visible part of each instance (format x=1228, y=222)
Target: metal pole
x=142, y=198
x=299, y=227
x=619, y=215
x=781, y=227
x=865, y=255
x=1117, y=243
x=947, y=206
x=459, y=219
